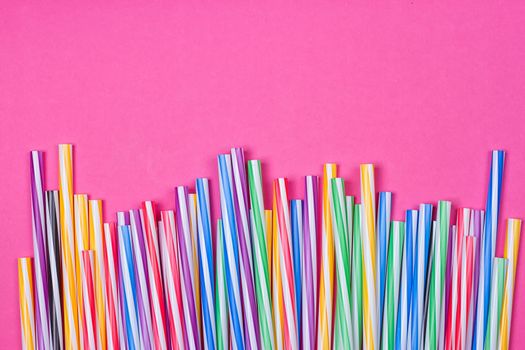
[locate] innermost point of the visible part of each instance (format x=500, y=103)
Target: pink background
x=150, y=93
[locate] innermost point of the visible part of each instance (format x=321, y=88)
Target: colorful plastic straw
x=326, y=270
x=476, y=230
x=497, y=290
x=421, y=257
x=221, y=300
x=488, y=246
x=268, y=215
x=356, y=287
x=128, y=288
x=296, y=218
x=96, y=236
x=186, y=261
x=67, y=228
x=350, y=204
x=172, y=282
x=466, y=296
x=277, y=289
x=27, y=302
x=393, y=278
x=82, y=243
x=54, y=269
x=89, y=318
x=407, y=282
x=192, y=211
x=136, y=217
x=343, y=335
x=122, y=219
x=284, y=237
x=39, y=249
x=113, y=319
x=384, y=208
x=512, y=242
x=207, y=276
x=260, y=249
x=370, y=315
x=309, y=263
x=231, y=247
x=155, y=277
x=251, y=321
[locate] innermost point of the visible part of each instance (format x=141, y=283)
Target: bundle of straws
x=315, y=273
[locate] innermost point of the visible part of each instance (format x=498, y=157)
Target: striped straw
x=437, y=278
x=206, y=274
x=122, y=218
x=476, y=229
x=82, y=243
x=343, y=335
x=284, y=238
x=192, y=211
x=405, y=292
x=54, y=269
x=309, y=263
x=261, y=258
x=89, y=319
x=27, y=302
x=370, y=324
x=466, y=297
x=296, y=218
x=96, y=236
x=39, y=250
x=384, y=209
x=67, y=228
x=326, y=271
x=128, y=287
x=113, y=319
x=231, y=249
x=497, y=291
x=488, y=246
x=448, y=278
x=512, y=242
x=186, y=262
x=251, y=322
x=421, y=256
x=221, y=301
x=393, y=277
x=170, y=263
x=356, y=287
x=141, y=273
x=350, y=204
x=268, y=215
x=277, y=289
x=155, y=276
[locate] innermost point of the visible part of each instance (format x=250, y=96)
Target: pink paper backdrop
x=150, y=93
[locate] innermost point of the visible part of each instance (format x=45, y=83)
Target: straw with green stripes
x=497, y=288
x=221, y=301
x=356, y=287
x=350, y=203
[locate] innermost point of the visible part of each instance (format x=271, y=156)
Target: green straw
x=221, y=301
x=499, y=272
x=356, y=288
x=260, y=249
x=350, y=225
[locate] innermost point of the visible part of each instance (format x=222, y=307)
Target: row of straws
x=318, y=273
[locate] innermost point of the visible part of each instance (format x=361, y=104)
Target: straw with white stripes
x=27, y=302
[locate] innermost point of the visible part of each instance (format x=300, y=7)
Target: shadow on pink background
x=149, y=94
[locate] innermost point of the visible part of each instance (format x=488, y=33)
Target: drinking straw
x=39, y=250
x=82, y=243
x=309, y=263
x=405, y=292
x=356, y=287
x=436, y=307
x=476, y=230
x=370, y=324
x=112, y=300
x=466, y=296
x=283, y=233
x=206, y=274
x=350, y=203
x=27, y=302
x=268, y=215
x=231, y=247
x=448, y=279
x=96, y=236
x=251, y=322
x=67, y=229
x=384, y=208
x=54, y=269
x=186, y=261
x=277, y=289
x=155, y=276
x=128, y=287
x=141, y=272
x=89, y=318
x=343, y=337
x=260, y=249
x=326, y=270
x=192, y=211
x=395, y=254
x=488, y=246
x=170, y=263
x=122, y=218
x=296, y=217
x=497, y=291
x=221, y=301
x=421, y=254
x=512, y=242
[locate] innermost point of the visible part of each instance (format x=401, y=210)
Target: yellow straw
x=27, y=302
